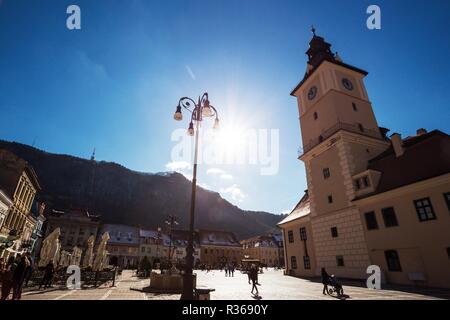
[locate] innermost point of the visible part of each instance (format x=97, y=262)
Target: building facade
x=123, y=245
x=5, y=205
x=265, y=248
x=154, y=245
x=76, y=226
x=355, y=173
x=219, y=247
x=406, y=211
x=20, y=183
x=298, y=240
x=37, y=234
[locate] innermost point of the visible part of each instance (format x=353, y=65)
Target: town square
x=243, y=151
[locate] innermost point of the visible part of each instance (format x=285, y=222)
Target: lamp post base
x=188, y=287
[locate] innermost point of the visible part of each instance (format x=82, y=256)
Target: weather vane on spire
x=313, y=30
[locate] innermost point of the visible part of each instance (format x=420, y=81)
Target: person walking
x=254, y=278
x=7, y=279
x=232, y=270
x=30, y=268
x=226, y=270
x=325, y=280
x=19, y=276
x=48, y=276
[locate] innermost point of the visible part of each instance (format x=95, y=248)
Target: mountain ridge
x=122, y=195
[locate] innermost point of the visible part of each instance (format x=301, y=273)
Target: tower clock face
x=312, y=93
x=347, y=84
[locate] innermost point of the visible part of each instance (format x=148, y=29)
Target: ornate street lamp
x=201, y=109
x=170, y=221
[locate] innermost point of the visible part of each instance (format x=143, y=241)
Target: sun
x=230, y=139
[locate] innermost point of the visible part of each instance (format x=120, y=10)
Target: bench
x=203, y=293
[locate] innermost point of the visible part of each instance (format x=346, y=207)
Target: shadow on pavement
x=441, y=293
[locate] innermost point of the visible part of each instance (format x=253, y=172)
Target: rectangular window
x=354, y=107
x=424, y=209
x=447, y=199
x=293, y=262
x=143, y=249
x=326, y=173
x=330, y=199
x=371, y=220
x=290, y=236
x=392, y=260
x=357, y=184
x=306, y=262
x=340, y=261
x=448, y=252
x=303, y=234
x=334, y=232
x=389, y=217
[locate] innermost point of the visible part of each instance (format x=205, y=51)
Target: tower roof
x=318, y=52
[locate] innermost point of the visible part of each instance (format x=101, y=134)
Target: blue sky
x=114, y=84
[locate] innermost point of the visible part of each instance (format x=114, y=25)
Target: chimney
x=397, y=144
x=421, y=131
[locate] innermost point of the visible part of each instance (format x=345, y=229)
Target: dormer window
x=362, y=183
x=366, y=182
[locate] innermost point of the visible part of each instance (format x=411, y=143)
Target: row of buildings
x=372, y=199
x=24, y=222
x=128, y=245
x=21, y=216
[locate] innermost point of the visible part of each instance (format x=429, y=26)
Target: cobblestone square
x=274, y=286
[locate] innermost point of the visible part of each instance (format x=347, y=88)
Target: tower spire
x=313, y=30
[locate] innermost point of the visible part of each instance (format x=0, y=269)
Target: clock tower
x=339, y=134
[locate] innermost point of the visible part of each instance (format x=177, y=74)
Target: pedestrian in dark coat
x=254, y=278
x=30, y=268
x=19, y=277
x=48, y=276
x=325, y=280
x=7, y=279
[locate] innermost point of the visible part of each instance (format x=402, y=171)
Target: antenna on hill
x=91, y=182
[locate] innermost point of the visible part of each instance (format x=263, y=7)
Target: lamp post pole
x=199, y=110
x=188, y=281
